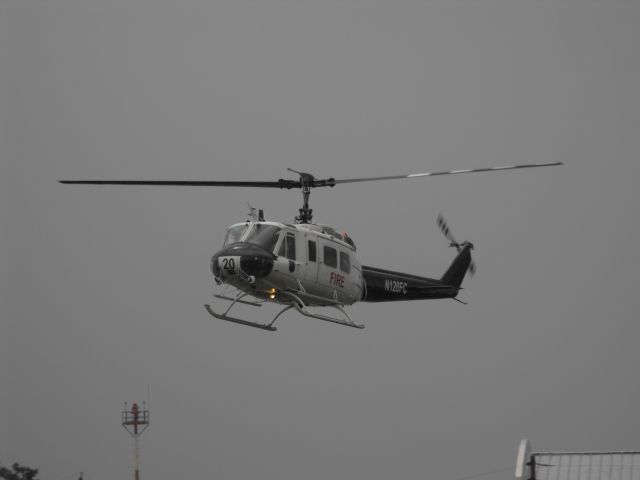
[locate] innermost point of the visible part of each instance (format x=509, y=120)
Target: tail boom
x=388, y=286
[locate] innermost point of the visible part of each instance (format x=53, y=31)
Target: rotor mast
x=306, y=181
x=306, y=213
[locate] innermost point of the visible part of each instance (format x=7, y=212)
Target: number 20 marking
x=228, y=264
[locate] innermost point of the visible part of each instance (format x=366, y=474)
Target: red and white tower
x=135, y=421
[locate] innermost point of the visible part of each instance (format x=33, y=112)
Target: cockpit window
x=235, y=233
x=264, y=235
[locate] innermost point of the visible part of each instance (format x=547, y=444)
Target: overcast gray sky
x=102, y=287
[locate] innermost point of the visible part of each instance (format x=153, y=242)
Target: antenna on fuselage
x=252, y=215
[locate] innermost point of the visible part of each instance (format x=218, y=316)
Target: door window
x=312, y=250
x=345, y=262
x=330, y=257
x=290, y=246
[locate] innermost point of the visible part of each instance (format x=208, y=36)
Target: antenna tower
x=135, y=421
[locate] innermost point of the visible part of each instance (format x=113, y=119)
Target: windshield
x=264, y=235
x=235, y=233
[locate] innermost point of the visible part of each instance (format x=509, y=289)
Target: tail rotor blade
x=444, y=228
x=446, y=231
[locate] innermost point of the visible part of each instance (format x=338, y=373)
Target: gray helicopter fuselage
x=316, y=262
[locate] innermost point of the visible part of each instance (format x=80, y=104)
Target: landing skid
x=296, y=302
x=238, y=299
x=227, y=318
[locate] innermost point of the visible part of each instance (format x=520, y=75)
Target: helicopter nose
x=242, y=259
x=258, y=266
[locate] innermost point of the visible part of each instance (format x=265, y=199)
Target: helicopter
x=301, y=265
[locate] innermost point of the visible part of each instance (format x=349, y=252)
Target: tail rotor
x=446, y=231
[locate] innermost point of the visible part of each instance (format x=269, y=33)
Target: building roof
x=622, y=465
x=587, y=466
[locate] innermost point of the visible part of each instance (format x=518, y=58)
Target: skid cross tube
x=301, y=293
x=302, y=308
x=244, y=302
x=288, y=307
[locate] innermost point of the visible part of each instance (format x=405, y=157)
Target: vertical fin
x=458, y=268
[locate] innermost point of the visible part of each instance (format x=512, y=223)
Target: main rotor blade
x=191, y=183
x=306, y=180
x=449, y=172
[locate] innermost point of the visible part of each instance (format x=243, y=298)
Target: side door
x=290, y=262
x=328, y=278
